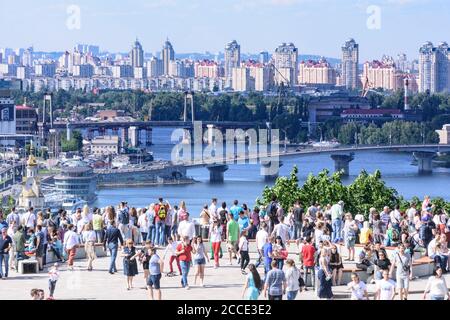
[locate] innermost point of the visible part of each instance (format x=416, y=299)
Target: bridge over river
x=342, y=156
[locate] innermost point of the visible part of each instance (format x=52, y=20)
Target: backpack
x=223, y=216
x=271, y=210
x=425, y=232
x=162, y=212
x=124, y=217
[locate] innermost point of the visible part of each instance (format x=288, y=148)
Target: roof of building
x=372, y=111
x=24, y=107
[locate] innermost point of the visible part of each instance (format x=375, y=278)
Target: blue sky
x=314, y=26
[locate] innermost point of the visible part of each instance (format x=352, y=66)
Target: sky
x=314, y=26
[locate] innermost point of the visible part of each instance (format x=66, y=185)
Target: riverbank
x=164, y=182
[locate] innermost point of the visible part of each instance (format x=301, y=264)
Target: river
x=244, y=182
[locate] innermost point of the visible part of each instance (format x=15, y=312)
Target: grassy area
x=47, y=171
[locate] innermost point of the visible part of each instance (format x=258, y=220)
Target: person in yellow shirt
x=366, y=234
x=97, y=223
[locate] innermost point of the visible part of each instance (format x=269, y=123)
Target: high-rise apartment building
x=232, y=58
x=168, y=55
x=260, y=75
x=27, y=57
x=240, y=79
x=316, y=72
x=434, y=68
x=45, y=69
x=155, y=67
x=350, y=61
x=207, y=69
x=286, y=64
x=263, y=57
x=137, y=55
x=381, y=74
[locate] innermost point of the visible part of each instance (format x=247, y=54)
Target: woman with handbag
x=130, y=268
x=279, y=252
x=292, y=280
x=324, y=276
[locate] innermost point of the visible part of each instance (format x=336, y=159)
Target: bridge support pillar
x=270, y=169
x=148, y=136
x=425, y=161
x=216, y=172
x=342, y=162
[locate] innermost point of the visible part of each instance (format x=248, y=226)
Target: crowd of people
x=326, y=237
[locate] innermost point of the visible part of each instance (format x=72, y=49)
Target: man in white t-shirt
x=29, y=218
x=385, y=288
x=358, y=288
x=281, y=230
x=261, y=238
x=213, y=209
x=186, y=228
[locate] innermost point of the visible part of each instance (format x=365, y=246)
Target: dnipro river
x=244, y=182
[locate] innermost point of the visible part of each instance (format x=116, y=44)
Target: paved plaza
x=225, y=283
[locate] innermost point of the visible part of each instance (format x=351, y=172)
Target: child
x=171, y=249
x=53, y=278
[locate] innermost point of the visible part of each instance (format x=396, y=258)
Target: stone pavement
x=225, y=283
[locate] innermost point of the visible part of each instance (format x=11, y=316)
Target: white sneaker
x=187, y=288
x=230, y=264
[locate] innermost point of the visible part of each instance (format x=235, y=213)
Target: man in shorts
x=156, y=267
x=403, y=263
x=232, y=236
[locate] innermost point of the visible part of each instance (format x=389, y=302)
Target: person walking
x=98, y=226
x=130, y=268
x=183, y=252
x=112, y=238
x=403, y=263
x=436, y=286
x=358, y=288
x=53, y=274
x=385, y=288
x=309, y=265
x=156, y=265
x=232, y=236
x=70, y=243
x=243, y=251
x=171, y=250
x=5, y=246
x=19, y=240
x=261, y=239
x=200, y=257
x=275, y=283
x=215, y=236
x=324, y=276
x=253, y=284
x=292, y=280
x=89, y=238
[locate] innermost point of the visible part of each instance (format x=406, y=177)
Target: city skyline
x=257, y=25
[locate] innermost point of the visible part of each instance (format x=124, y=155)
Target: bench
x=28, y=266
